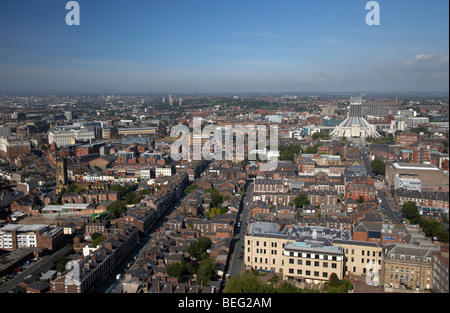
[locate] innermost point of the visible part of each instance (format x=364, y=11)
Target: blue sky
x=223, y=46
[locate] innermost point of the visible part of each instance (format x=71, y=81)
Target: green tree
x=360, y=199
x=335, y=285
x=288, y=152
x=410, y=211
x=216, y=199
x=176, y=269
x=434, y=229
x=61, y=264
x=98, y=240
x=190, y=188
x=246, y=283
x=378, y=166
x=116, y=209
x=205, y=271
x=312, y=149
x=198, y=248
x=301, y=200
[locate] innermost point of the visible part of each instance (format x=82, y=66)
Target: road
x=46, y=263
x=392, y=215
x=236, y=263
x=112, y=284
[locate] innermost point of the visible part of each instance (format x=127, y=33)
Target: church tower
x=61, y=173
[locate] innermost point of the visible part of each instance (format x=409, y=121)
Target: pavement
x=362, y=287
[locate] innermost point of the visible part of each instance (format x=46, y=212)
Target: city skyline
x=201, y=47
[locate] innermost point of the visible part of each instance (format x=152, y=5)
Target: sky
x=197, y=46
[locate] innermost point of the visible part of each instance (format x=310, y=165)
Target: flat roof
x=416, y=166
x=23, y=228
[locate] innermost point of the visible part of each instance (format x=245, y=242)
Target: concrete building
x=407, y=182
x=69, y=134
x=14, y=236
x=433, y=179
x=355, y=125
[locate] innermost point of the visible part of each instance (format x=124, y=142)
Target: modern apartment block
x=14, y=236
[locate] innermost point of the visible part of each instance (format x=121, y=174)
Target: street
x=236, y=262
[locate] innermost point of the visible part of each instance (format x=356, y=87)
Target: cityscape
x=102, y=190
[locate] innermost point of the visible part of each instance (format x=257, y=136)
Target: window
x=308, y=273
x=299, y=272
x=324, y=274
x=325, y=264
x=308, y=263
x=333, y=265
x=291, y=261
x=316, y=274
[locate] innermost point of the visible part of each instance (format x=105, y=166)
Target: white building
x=163, y=171
x=355, y=125
x=67, y=135
x=146, y=174
x=407, y=182
x=25, y=235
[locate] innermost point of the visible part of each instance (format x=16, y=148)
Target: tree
x=216, y=199
x=190, y=188
x=434, y=229
x=206, y=270
x=176, y=269
x=288, y=152
x=335, y=285
x=410, y=211
x=245, y=283
x=301, y=200
x=313, y=149
x=61, y=265
x=378, y=166
x=116, y=209
x=97, y=240
x=198, y=248
x=248, y=282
